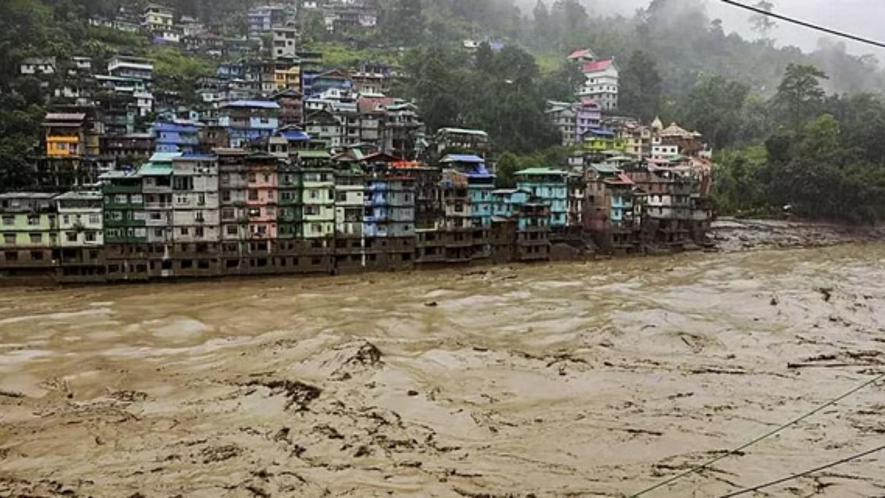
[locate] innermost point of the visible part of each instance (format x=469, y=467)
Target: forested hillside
x=789, y=127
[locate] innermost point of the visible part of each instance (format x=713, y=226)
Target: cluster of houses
x=288, y=167
x=280, y=206
x=165, y=26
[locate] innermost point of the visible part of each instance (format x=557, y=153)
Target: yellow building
x=65, y=134
x=62, y=146
x=287, y=76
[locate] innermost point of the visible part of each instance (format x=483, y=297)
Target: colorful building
x=29, y=228
x=247, y=121
x=549, y=187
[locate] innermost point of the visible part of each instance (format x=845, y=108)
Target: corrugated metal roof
x=261, y=104
x=541, y=171
x=65, y=116
x=463, y=158
x=313, y=154
x=153, y=169
x=164, y=157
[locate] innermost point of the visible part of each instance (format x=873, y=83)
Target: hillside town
x=287, y=165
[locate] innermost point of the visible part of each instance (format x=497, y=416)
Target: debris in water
x=298, y=393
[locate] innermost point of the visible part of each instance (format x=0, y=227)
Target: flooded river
x=583, y=379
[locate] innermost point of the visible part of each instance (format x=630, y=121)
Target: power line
x=768, y=434
x=803, y=474
x=804, y=23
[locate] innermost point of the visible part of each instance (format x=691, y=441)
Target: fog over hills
x=859, y=17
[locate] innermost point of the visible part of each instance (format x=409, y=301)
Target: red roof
x=595, y=67
x=369, y=105
x=580, y=54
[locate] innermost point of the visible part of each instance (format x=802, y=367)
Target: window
x=198, y=232
x=71, y=236
x=225, y=196
x=90, y=237
x=8, y=219
x=36, y=238
x=66, y=219
x=227, y=214
x=184, y=231
x=94, y=219
x=9, y=239
x=33, y=220
x=232, y=230
x=11, y=256
x=137, y=199
x=253, y=195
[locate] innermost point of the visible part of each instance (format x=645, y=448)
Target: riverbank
x=569, y=379
x=733, y=235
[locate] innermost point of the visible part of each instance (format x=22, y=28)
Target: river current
x=573, y=379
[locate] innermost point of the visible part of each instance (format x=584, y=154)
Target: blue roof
x=479, y=171
x=295, y=136
x=602, y=133
x=162, y=126
x=263, y=104
x=164, y=157
x=196, y=157
x=463, y=158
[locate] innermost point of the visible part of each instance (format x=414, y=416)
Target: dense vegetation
x=790, y=128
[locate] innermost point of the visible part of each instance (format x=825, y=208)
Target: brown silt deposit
x=576, y=379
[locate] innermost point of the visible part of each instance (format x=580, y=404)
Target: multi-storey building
x=389, y=220
x=285, y=41
x=158, y=17
x=29, y=230
x=602, y=83
x=459, y=140
x=289, y=204
x=81, y=236
x=125, y=227
x=262, y=19
x=548, y=186
x=176, y=136
x=249, y=120
x=262, y=198
x=403, y=131
x=318, y=195
x=233, y=190
x=137, y=68
x=350, y=206
x=196, y=222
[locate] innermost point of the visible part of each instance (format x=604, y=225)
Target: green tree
x=714, y=108
x=799, y=96
x=640, y=92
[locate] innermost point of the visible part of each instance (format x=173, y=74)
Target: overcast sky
x=859, y=17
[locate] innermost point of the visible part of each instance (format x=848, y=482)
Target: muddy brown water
x=587, y=379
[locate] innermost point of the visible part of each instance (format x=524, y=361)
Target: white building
x=601, y=84
x=131, y=67
x=563, y=117
x=195, y=199
x=158, y=17
x=38, y=65
x=80, y=219
x=285, y=43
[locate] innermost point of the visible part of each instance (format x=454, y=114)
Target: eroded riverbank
x=577, y=379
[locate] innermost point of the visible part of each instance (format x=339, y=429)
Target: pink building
x=262, y=196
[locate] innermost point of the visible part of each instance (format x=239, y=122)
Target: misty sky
x=860, y=17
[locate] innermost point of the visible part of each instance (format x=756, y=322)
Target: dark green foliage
x=640, y=92
x=824, y=165
x=499, y=93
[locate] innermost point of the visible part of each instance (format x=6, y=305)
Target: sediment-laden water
x=589, y=379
